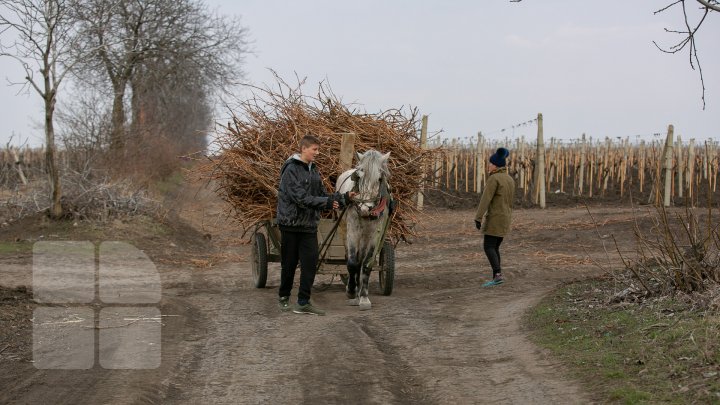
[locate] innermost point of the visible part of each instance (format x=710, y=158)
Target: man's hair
x=308, y=141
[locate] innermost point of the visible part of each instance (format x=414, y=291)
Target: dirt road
x=439, y=338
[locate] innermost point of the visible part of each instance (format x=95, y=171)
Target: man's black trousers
x=294, y=247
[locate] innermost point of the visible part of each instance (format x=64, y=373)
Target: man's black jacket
x=301, y=196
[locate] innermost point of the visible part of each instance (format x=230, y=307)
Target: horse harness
x=380, y=203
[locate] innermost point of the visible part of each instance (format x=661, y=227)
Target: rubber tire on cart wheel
x=387, y=268
x=259, y=260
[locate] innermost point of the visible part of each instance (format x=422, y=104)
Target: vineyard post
x=581, y=174
x=668, y=154
x=680, y=166
x=606, y=165
x=540, y=165
x=705, y=161
x=479, y=164
x=690, y=175
x=591, y=173
x=641, y=165
x=423, y=146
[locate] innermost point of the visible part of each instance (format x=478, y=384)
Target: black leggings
x=491, y=244
x=294, y=247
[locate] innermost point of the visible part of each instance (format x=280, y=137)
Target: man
x=494, y=213
x=301, y=197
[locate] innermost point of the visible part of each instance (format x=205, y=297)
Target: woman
x=494, y=213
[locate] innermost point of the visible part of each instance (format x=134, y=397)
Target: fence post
x=423, y=145
x=347, y=149
x=668, y=154
x=583, y=152
x=680, y=167
x=690, y=175
x=479, y=165
x=540, y=166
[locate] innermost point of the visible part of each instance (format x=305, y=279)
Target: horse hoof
x=364, y=304
x=350, y=296
x=353, y=302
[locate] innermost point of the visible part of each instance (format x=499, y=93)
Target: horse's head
x=371, y=177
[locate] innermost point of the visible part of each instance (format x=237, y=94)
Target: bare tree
x=143, y=44
x=45, y=36
x=688, y=33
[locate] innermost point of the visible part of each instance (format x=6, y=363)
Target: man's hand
x=336, y=205
x=478, y=224
x=349, y=196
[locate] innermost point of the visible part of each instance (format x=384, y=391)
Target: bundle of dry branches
x=267, y=128
x=83, y=198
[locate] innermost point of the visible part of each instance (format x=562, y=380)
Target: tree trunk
x=117, y=133
x=50, y=161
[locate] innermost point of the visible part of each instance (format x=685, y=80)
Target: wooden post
x=607, y=167
x=641, y=165
x=623, y=167
x=690, y=175
x=423, y=145
x=583, y=152
x=540, y=166
x=668, y=154
x=523, y=166
x=591, y=173
x=479, y=165
x=705, y=161
x=680, y=166
x=456, y=166
x=347, y=151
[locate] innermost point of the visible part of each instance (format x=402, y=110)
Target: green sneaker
x=499, y=279
x=284, y=304
x=307, y=309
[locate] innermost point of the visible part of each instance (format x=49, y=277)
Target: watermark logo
x=104, y=309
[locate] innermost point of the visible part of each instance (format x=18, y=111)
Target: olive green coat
x=495, y=209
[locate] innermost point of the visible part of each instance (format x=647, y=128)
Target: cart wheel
x=259, y=260
x=387, y=268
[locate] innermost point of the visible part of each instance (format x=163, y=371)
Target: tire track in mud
x=367, y=369
x=406, y=385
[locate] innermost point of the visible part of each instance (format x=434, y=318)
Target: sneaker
x=284, y=304
x=499, y=279
x=307, y=309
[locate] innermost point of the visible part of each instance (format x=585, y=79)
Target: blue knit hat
x=498, y=158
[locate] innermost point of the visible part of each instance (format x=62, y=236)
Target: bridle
x=379, y=202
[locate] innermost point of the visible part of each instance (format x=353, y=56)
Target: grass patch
x=7, y=248
x=658, y=351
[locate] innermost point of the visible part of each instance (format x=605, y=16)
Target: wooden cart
x=265, y=244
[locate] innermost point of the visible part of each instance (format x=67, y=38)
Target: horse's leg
x=353, y=267
x=367, y=262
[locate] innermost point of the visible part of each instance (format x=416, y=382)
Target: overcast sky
x=474, y=65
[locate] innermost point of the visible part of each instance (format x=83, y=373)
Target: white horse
x=369, y=179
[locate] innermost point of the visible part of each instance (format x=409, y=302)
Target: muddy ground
x=439, y=338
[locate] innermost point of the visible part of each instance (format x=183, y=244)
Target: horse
x=369, y=179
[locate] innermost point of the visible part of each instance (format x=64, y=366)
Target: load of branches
x=84, y=198
x=265, y=131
